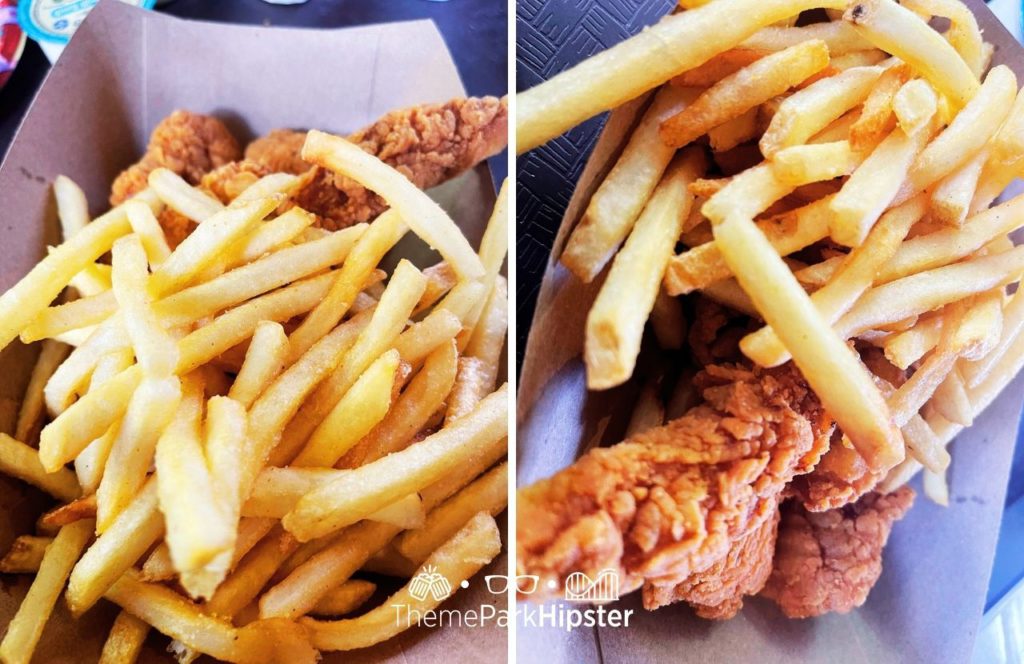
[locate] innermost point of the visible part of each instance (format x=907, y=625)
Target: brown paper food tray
x=124, y=71
x=926, y=606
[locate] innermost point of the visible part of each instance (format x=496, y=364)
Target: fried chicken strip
x=670, y=501
x=429, y=144
x=829, y=561
x=187, y=143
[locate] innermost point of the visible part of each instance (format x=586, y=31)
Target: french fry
x=72, y=206
x=618, y=201
x=668, y=322
x=488, y=340
x=378, y=239
x=963, y=34
x=362, y=407
x=268, y=236
x=68, y=316
x=25, y=554
x=897, y=30
x=616, y=320
x=872, y=187
x=410, y=413
x=19, y=460
x=404, y=290
x=422, y=214
x=475, y=545
x=155, y=349
x=809, y=111
x=737, y=93
x=802, y=164
x=124, y=643
x=914, y=105
x=649, y=410
x=978, y=370
x=337, y=505
x=145, y=225
x=93, y=280
x=718, y=67
x=729, y=293
x=789, y=232
x=876, y=117
x=907, y=347
x=731, y=133
x=855, y=275
x=181, y=197
x=834, y=372
x=936, y=487
x=148, y=413
x=866, y=58
x=951, y=198
x=72, y=377
x=404, y=513
x=76, y=510
x=925, y=291
x=173, y=615
x=838, y=130
x=89, y=464
x=252, y=573
x=472, y=383
x=346, y=598
x=493, y=248
x=26, y=628
x=133, y=532
x=30, y=414
x=643, y=62
x=420, y=339
x=951, y=400
x=966, y=135
x=264, y=361
x=840, y=37
x=440, y=279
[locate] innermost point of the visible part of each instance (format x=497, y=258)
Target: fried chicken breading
x=829, y=561
x=429, y=144
x=187, y=143
x=670, y=501
x=717, y=592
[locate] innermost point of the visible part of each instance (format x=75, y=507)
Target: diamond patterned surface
x=552, y=36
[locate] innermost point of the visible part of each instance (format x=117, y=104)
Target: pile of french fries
x=863, y=141
x=256, y=416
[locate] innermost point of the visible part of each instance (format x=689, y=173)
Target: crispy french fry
x=145, y=225
x=838, y=130
x=951, y=198
x=964, y=34
x=336, y=505
x=72, y=206
x=89, y=464
x=423, y=215
x=789, y=232
x=493, y=248
x=155, y=349
x=840, y=37
x=30, y=415
x=181, y=197
x=624, y=71
x=124, y=643
x=488, y=340
x=68, y=316
x=855, y=275
x=897, y=30
x=76, y=510
x=346, y=598
x=616, y=320
x=835, y=373
x=718, y=67
x=801, y=164
x=811, y=110
x=472, y=383
x=150, y=410
x=737, y=93
x=362, y=407
x=876, y=117
x=26, y=628
x=440, y=279
x=21, y=461
x=420, y=339
x=72, y=377
x=266, y=237
x=264, y=360
x=951, y=400
x=907, y=347
x=731, y=133
x=668, y=321
x=25, y=554
x=133, y=532
x=872, y=187
x=914, y=105
x=649, y=410
x=475, y=545
x=378, y=239
x=977, y=371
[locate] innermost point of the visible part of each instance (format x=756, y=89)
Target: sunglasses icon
x=497, y=584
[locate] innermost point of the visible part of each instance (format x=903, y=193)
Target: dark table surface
x=475, y=31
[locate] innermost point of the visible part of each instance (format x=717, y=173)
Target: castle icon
x=581, y=588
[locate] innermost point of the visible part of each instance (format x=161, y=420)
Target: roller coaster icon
x=581, y=588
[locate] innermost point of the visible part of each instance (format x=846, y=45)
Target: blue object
x=63, y=18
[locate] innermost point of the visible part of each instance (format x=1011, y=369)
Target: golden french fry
x=72, y=377
x=801, y=164
x=90, y=463
x=72, y=206
x=855, y=275
x=362, y=407
x=133, y=532
x=26, y=627
x=76, y=510
x=951, y=400
x=963, y=34
x=404, y=513
x=422, y=214
x=616, y=320
x=145, y=225
x=346, y=598
x=876, y=117
x=264, y=360
x=181, y=197
x=978, y=370
x=897, y=30
x=488, y=340
x=378, y=239
x=811, y=110
x=475, y=545
x=25, y=554
x=337, y=504
x=731, y=133
x=472, y=383
x=21, y=461
x=148, y=413
x=789, y=232
x=266, y=237
x=440, y=279
x=124, y=643
x=275, y=183
x=668, y=321
x=410, y=413
x=155, y=349
x=718, y=67
x=493, y=248
x=907, y=347
x=420, y=339
x=951, y=198
x=30, y=414
x=914, y=105
x=612, y=77
x=840, y=37
x=68, y=316
x=838, y=377
x=751, y=86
